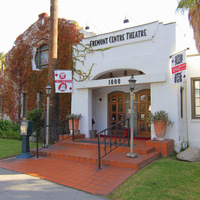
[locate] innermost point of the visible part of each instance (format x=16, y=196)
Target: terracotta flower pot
x=76, y=125
x=160, y=129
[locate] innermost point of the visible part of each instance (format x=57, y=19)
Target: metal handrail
x=58, y=128
x=118, y=132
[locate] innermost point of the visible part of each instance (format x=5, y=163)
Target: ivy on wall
x=80, y=53
x=19, y=77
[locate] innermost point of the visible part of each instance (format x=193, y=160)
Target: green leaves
x=186, y=4
x=9, y=130
x=160, y=115
x=35, y=116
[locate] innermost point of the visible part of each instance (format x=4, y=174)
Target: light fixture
x=140, y=72
x=125, y=73
x=132, y=82
x=129, y=18
x=87, y=28
x=110, y=75
x=126, y=20
x=132, y=87
x=48, y=90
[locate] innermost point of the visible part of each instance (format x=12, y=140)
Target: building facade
x=107, y=62
x=26, y=75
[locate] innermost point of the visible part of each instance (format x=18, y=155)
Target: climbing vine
x=80, y=52
x=19, y=77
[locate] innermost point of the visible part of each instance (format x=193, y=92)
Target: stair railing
x=55, y=130
x=113, y=137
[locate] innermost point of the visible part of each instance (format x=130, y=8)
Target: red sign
x=63, y=81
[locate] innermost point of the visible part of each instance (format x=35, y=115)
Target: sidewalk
x=82, y=176
x=15, y=185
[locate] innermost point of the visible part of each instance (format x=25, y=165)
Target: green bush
x=10, y=134
x=9, y=130
x=35, y=116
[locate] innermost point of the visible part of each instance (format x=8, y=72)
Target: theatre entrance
x=119, y=109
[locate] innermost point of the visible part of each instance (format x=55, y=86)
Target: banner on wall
x=63, y=81
x=178, y=67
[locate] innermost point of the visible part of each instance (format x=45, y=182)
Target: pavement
x=15, y=185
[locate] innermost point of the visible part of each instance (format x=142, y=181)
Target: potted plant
x=76, y=118
x=161, y=121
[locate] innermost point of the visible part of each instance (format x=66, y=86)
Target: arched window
x=42, y=57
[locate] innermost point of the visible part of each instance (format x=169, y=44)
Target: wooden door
x=116, y=108
x=144, y=102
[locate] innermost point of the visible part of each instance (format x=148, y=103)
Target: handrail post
x=110, y=133
x=37, y=143
x=99, y=153
x=73, y=129
x=128, y=133
x=115, y=132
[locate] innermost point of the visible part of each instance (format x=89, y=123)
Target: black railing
x=55, y=131
x=113, y=137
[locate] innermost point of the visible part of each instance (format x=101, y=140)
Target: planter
x=160, y=129
x=76, y=125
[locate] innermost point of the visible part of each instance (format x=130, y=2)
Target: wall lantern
x=125, y=73
x=126, y=20
x=87, y=28
x=110, y=75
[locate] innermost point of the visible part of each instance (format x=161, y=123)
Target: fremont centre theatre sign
x=125, y=36
x=119, y=38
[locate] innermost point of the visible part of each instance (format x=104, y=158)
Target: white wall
x=150, y=56
x=193, y=64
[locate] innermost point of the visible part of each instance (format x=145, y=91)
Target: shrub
x=9, y=130
x=36, y=117
x=10, y=134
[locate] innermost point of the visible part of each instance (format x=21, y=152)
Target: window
x=42, y=57
x=195, y=98
x=181, y=98
x=39, y=99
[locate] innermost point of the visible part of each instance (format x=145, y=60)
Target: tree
x=193, y=8
x=53, y=57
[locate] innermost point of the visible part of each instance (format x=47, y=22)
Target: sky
x=101, y=16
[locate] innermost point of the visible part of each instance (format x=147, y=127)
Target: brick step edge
x=76, y=136
x=136, y=166
x=105, y=162
x=139, y=150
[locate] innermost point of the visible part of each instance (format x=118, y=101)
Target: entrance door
x=116, y=108
x=144, y=128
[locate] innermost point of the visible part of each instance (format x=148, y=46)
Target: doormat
x=135, y=138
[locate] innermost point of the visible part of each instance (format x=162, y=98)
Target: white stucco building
x=145, y=50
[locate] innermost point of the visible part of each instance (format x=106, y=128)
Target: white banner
x=178, y=67
x=63, y=81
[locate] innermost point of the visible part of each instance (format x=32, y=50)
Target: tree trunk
x=53, y=40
